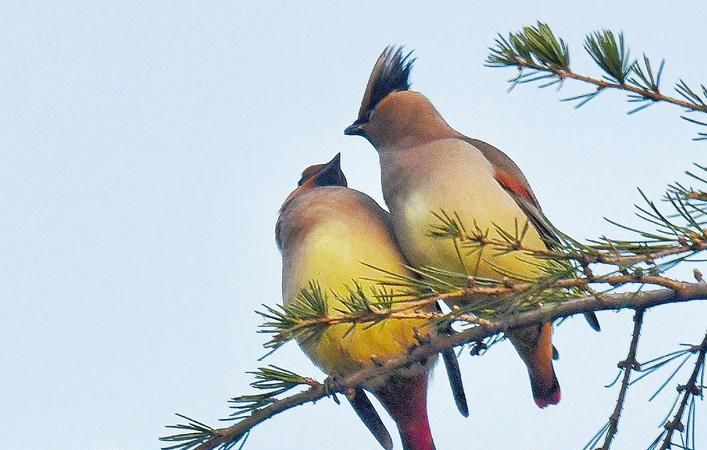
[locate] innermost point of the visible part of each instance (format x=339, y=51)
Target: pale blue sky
x=146, y=149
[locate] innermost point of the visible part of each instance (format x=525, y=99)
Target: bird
x=429, y=169
x=325, y=232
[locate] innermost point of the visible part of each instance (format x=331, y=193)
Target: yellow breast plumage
x=339, y=230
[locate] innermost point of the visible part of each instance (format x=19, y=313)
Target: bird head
x=390, y=113
x=327, y=174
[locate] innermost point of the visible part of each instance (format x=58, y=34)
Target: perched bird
x=428, y=169
x=325, y=231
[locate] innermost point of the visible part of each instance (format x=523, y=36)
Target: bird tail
x=592, y=320
x=534, y=345
x=546, y=391
x=455, y=380
x=370, y=418
x=405, y=399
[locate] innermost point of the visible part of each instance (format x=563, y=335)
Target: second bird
x=428, y=169
x=325, y=232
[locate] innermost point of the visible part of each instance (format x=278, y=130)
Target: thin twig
x=602, y=254
x=655, y=96
x=688, y=389
x=627, y=365
x=603, y=84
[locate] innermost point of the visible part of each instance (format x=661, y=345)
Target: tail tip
x=552, y=399
x=593, y=321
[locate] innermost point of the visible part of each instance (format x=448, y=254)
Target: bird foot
x=421, y=339
x=332, y=385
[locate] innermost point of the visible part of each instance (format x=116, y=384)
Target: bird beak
x=355, y=129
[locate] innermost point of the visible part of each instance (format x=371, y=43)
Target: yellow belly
x=332, y=256
x=463, y=184
x=476, y=260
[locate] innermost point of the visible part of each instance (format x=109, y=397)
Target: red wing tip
x=514, y=185
x=553, y=399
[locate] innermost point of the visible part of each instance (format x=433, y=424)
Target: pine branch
x=689, y=391
x=221, y=438
x=541, y=56
x=272, y=380
x=484, y=299
x=641, y=92
x=627, y=365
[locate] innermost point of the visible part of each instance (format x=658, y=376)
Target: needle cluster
x=540, y=56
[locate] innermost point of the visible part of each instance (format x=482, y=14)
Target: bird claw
x=421, y=339
x=477, y=348
x=332, y=385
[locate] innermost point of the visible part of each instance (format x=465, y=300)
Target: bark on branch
x=627, y=365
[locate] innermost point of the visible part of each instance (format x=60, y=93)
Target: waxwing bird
x=325, y=231
x=428, y=168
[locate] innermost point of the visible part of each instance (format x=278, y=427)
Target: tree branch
x=627, y=366
x=602, y=84
x=410, y=309
x=434, y=345
x=689, y=389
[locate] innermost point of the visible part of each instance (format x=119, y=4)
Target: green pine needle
x=610, y=54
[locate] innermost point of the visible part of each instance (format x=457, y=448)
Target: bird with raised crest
x=428, y=169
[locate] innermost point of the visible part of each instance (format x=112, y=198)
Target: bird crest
x=327, y=174
x=390, y=74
